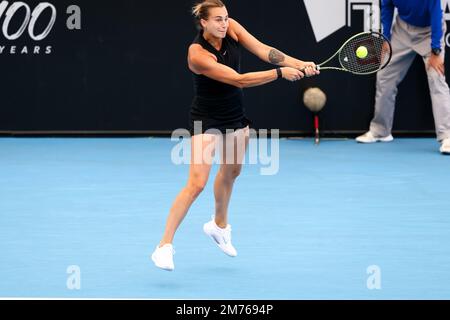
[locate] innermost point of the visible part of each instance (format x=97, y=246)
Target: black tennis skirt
x=222, y=126
x=220, y=114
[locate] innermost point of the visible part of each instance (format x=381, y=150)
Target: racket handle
x=317, y=68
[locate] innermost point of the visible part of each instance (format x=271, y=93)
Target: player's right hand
x=292, y=74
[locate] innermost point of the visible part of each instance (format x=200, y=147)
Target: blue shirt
x=419, y=13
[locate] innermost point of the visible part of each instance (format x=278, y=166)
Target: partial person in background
x=418, y=29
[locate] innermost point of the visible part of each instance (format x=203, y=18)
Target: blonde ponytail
x=196, y=10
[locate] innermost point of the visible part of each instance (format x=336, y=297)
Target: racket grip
x=317, y=68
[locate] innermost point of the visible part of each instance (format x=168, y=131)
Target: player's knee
x=196, y=186
x=236, y=172
x=233, y=172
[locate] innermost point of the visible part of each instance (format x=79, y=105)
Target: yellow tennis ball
x=362, y=52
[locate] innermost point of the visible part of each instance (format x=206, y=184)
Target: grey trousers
x=407, y=41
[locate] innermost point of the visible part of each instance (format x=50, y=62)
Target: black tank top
x=214, y=100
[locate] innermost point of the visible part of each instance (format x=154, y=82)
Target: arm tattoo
x=275, y=56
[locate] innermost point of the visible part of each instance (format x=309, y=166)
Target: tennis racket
x=363, y=54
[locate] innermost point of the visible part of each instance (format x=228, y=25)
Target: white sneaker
x=445, y=146
x=222, y=237
x=163, y=257
x=368, y=137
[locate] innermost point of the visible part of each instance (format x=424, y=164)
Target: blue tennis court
x=311, y=231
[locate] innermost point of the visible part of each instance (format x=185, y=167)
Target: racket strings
x=377, y=55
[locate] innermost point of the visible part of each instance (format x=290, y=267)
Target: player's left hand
x=437, y=63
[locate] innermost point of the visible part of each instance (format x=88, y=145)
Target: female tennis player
x=214, y=59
